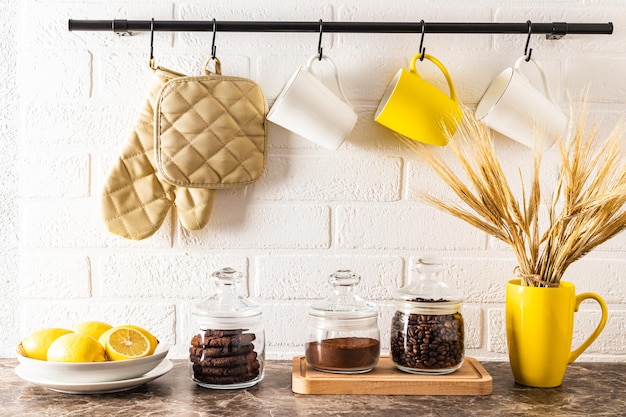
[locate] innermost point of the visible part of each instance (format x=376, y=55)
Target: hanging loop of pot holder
x=210, y=131
x=217, y=65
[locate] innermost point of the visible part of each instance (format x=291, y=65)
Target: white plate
x=91, y=372
x=97, y=387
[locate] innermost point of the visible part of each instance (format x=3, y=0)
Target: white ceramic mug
x=310, y=109
x=514, y=107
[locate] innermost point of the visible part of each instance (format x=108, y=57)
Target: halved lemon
x=124, y=343
x=151, y=338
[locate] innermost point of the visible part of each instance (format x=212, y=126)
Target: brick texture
x=70, y=99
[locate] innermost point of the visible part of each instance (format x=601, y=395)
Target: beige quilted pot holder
x=210, y=131
x=136, y=199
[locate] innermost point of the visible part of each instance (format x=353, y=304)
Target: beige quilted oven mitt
x=136, y=199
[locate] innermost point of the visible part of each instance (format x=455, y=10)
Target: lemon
x=105, y=336
x=126, y=343
x=36, y=344
x=75, y=347
x=151, y=338
x=92, y=328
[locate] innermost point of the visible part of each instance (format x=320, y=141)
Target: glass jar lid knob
x=343, y=302
x=226, y=303
x=227, y=276
x=344, y=279
x=428, y=287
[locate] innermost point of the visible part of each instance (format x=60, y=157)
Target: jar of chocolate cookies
x=427, y=331
x=227, y=349
x=343, y=329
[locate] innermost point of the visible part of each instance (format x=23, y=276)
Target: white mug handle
x=546, y=87
x=334, y=67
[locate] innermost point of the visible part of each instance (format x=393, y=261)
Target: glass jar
x=228, y=348
x=343, y=329
x=427, y=331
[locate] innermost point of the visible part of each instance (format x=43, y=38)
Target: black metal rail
x=554, y=30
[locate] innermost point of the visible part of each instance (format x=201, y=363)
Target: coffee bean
x=427, y=341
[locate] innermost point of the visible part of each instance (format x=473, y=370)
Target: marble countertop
x=589, y=389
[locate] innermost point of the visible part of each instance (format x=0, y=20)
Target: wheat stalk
x=586, y=207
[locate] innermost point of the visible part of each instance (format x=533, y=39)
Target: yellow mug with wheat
x=539, y=328
x=417, y=109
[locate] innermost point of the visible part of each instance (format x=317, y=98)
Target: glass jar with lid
x=227, y=349
x=343, y=329
x=427, y=329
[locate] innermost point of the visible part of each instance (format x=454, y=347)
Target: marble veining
x=589, y=389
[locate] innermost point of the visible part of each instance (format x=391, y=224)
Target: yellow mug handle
x=441, y=67
x=605, y=313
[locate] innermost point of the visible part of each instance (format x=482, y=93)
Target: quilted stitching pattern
x=210, y=131
x=135, y=199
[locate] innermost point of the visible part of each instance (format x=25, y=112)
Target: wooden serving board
x=386, y=379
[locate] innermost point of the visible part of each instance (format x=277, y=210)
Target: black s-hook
x=151, y=60
x=213, y=41
x=319, y=43
x=528, y=51
x=216, y=62
x=422, y=49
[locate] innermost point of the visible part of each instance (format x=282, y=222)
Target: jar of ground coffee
x=227, y=348
x=427, y=331
x=343, y=329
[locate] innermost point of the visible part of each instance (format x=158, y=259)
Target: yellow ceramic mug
x=417, y=109
x=539, y=328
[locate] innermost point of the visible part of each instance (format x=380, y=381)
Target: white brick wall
x=313, y=212
x=9, y=205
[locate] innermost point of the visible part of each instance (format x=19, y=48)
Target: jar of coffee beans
x=343, y=329
x=227, y=348
x=427, y=331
